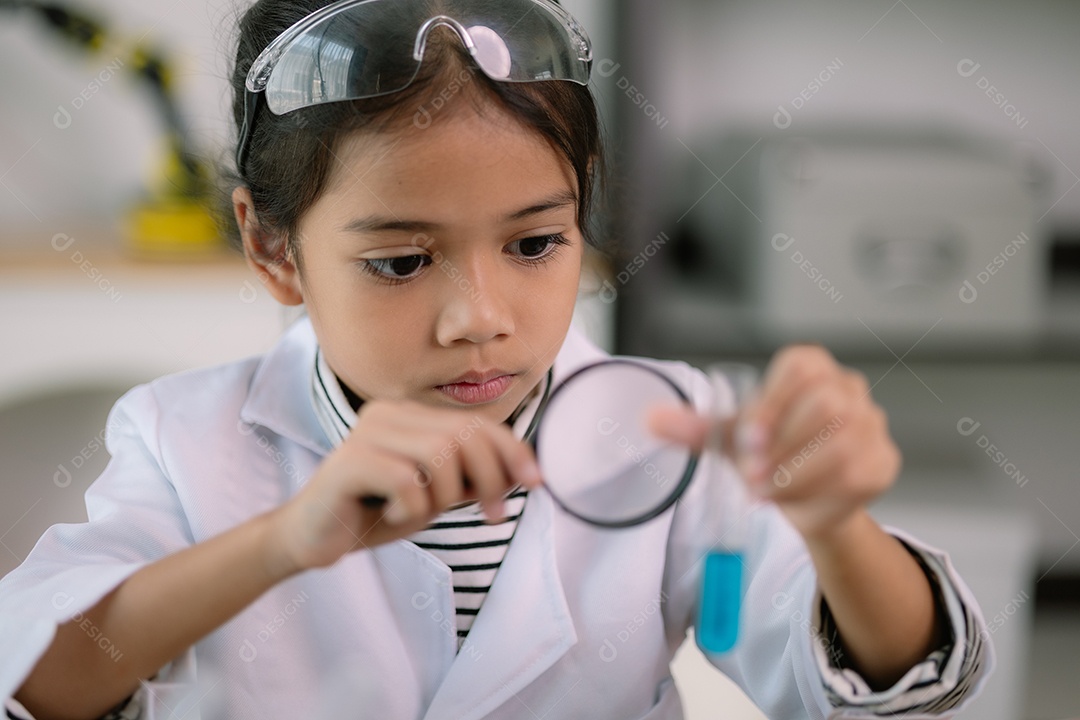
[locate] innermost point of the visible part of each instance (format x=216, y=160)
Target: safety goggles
x=356, y=49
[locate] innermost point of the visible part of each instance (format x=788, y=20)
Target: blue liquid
x=721, y=599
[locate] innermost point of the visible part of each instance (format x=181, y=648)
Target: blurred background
x=895, y=179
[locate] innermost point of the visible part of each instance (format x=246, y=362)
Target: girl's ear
x=279, y=274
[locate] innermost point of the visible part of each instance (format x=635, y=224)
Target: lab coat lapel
x=523, y=627
x=279, y=397
x=418, y=593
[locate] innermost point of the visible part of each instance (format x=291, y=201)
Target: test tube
x=720, y=602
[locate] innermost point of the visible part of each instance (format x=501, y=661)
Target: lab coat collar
x=577, y=351
x=279, y=397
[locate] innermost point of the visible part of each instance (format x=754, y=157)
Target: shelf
x=99, y=317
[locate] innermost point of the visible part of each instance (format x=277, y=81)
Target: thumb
x=680, y=425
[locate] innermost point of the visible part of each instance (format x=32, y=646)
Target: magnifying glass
x=599, y=460
x=602, y=465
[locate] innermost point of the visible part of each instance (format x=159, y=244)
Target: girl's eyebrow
x=558, y=200
x=376, y=224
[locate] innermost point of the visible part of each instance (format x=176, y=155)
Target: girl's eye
x=396, y=269
x=536, y=249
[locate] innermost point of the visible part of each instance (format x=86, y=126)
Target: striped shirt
x=472, y=548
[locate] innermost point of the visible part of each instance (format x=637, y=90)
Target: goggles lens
x=355, y=49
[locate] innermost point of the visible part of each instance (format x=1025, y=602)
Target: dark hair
x=291, y=155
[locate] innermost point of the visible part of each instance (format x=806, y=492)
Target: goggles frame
x=575, y=41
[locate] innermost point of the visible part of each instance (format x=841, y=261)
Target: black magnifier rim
x=688, y=472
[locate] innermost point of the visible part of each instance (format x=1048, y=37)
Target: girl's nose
x=475, y=308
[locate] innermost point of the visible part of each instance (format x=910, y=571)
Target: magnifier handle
x=378, y=502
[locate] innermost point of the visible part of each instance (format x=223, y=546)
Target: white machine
x=829, y=235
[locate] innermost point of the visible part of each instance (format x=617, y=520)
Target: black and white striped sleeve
x=939, y=683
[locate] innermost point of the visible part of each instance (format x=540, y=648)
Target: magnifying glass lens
x=599, y=460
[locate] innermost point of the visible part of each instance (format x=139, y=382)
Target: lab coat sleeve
x=782, y=661
x=946, y=678
x=135, y=517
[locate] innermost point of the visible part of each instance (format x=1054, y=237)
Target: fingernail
x=396, y=513
x=759, y=490
x=529, y=474
x=685, y=424
x=755, y=467
x=781, y=478
x=750, y=438
x=494, y=511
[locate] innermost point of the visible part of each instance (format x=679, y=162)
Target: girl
x=432, y=218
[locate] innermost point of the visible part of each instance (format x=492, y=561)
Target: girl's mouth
x=476, y=393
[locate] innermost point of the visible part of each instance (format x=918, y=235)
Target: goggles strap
x=252, y=101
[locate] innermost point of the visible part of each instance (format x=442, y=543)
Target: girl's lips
x=473, y=394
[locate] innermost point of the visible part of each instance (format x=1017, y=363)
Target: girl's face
x=441, y=258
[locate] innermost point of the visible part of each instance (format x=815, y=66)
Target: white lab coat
x=580, y=622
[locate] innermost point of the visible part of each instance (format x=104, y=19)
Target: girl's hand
x=813, y=442
x=416, y=457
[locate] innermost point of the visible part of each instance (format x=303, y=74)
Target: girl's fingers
x=392, y=477
x=433, y=456
x=453, y=448
x=481, y=464
x=802, y=476
x=517, y=457
x=820, y=411
x=512, y=461
x=680, y=425
x=790, y=373
x=857, y=461
x=684, y=426
x=387, y=476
